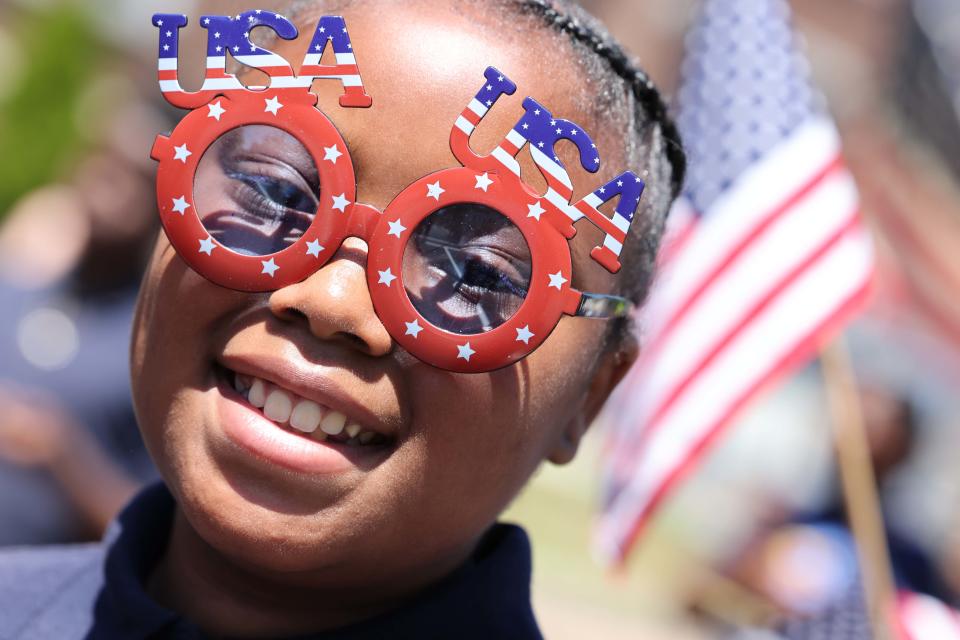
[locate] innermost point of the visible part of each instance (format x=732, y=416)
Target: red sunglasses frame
x=545, y=226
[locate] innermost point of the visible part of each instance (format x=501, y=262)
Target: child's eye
x=279, y=191
x=474, y=278
x=467, y=268
x=258, y=190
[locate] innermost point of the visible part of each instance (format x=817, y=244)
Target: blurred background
x=758, y=532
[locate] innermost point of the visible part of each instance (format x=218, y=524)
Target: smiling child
x=345, y=363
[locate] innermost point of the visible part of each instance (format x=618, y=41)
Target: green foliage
x=39, y=132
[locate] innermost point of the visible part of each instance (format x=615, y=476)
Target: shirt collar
x=489, y=596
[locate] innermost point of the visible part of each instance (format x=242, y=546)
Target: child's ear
x=610, y=371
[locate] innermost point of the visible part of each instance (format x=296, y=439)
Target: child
x=322, y=479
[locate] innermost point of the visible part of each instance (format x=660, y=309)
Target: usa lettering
x=541, y=131
x=231, y=36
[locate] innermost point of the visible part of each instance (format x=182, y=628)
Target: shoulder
x=46, y=587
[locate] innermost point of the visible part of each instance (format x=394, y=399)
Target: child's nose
x=335, y=302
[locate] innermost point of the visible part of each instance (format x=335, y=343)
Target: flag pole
x=861, y=498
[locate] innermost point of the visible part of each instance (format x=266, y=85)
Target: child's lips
x=305, y=416
x=300, y=381
x=246, y=426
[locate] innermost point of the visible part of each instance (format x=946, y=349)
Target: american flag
x=767, y=258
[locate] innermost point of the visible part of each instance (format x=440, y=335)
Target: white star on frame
x=181, y=153
x=207, y=246
x=331, y=154
x=484, y=182
x=413, y=328
x=396, y=229
x=273, y=105
x=314, y=248
x=536, y=210
x=435, y=191
x=180, y=205
x=340, y=202
x=216, y=110
x=269, y=267
x=386, y=277
x=524, y=334
x=557, y=280
x=466, y=352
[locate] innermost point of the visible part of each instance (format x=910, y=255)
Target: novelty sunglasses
x=468, y=268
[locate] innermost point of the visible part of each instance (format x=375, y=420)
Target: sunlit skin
x=259, y=550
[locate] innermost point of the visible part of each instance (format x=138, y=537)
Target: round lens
x=466, y=268
x=256, y=190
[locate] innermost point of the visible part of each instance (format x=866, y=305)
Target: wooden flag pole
x=861, y=498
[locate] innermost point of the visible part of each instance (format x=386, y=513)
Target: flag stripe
x=749, y=312
x=783, y=336
x=832, y=167
x=761, y=269
x=759, y=266
x=802, y=352
x=756, y=195
x=627, y=453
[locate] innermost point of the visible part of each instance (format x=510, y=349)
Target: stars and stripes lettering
x=332, y=30
x=248, y=54
x=232, y=36
x=542, y=131
x=494, y=87
x=628, y=187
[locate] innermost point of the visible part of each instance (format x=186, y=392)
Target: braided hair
x=625, y=91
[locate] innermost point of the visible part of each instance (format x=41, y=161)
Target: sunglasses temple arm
x=596, y=305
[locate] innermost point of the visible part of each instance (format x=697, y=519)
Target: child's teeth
x=278, y=406
x=258, y=394
x=301, y=414
x=306, y=416
x=333, y=423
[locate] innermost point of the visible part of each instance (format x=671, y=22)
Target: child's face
x=461, y=446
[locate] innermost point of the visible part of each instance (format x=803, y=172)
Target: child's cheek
x=176, y=326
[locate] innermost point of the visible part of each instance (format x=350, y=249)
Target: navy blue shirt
x=98, y=591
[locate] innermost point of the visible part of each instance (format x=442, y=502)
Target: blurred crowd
x=77, y=202
x=78, y=220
